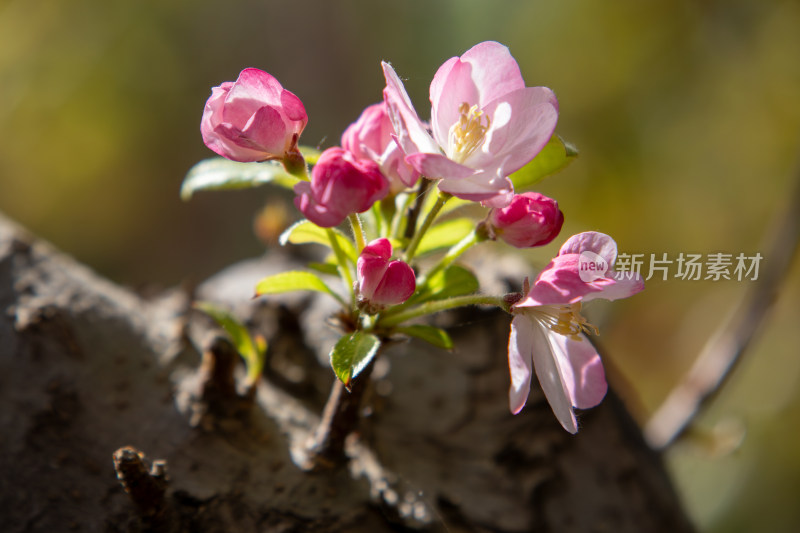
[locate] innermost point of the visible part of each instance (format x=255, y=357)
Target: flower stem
x=325, y=447
x=380, y=220
x=429, y=218
x=397, y=218
x=454, y=253
x=358, y=231
x=412, y=212
x=344, y=270
x=389, y=319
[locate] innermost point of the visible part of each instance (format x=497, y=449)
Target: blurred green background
x=687, y=116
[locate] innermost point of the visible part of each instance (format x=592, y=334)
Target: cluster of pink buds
x=485, y=125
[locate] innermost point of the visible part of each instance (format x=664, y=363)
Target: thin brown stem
x=341, y=416
x=726, y=346
x=146, y=488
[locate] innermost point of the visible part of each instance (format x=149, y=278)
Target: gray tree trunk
x=88, y=368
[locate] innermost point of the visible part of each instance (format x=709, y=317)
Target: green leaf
x=294, y=280
x=252, y=352
x=330, y=268
x=436, y=336
x=455, y=280
x=444, y=235
x=219, y=173
x=555, y=156
x=304, y=232
x=352, y=354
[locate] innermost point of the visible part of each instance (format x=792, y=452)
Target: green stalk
x=454, y=253
x=380, y=221
x=429, y=308
x=341, y=258
x=429, y=218
x=399, y=214
x=358, y=231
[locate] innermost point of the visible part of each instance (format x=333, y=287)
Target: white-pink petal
x=549, y=370
x=582, y=370
x=484, y=187
x=494, y=71
x=451, y=87
x=591, y=241
x=412, y=135
x=520, y=364
x=620, y=285
x=438, y=166
x=522, y=124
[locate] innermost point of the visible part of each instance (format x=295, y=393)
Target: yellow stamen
x=468, y=133
x=564, y=319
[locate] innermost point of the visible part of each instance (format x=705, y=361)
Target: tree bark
x=93, y=377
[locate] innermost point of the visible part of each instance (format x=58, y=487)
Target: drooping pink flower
x=253, y=118
x=547, y=331
x=485, y=123
x=531, y=219
x=382, y=282
x=341, y=184
x=370, y=137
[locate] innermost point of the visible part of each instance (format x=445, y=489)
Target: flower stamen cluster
x=563, y=319
x=468, y=134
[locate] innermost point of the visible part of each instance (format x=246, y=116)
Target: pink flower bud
x=531, y=219
x=382, y=282
x=370, y=137
x=340, y=185
x=253, y=118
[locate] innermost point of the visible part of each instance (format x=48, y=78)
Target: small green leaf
x=219, y=173
x=304, y=232
x=330, y=268
x=294, y=280
x=455, y=280
x=555, y=156
x=252, y=351
x=436, y=336
x=352, y=354
x=445, y=235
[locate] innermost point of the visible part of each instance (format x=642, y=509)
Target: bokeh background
x=686, y=113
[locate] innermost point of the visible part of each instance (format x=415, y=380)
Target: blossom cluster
x=392, y=176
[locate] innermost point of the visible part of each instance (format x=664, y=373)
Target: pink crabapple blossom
x=340, y=185
x=382, y=282
x=253, y=118
x=370, y=137
x=548, y=332
x=485, y=123
x=531, y=219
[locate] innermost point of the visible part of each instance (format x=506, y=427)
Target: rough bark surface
x=88, y=369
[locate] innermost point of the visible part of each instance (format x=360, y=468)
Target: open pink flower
x=253, y=118
x=485, y=123
x=382, y=282
x=340, y=185
x=547, y=331
x=370, y=137
x=531, y=219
